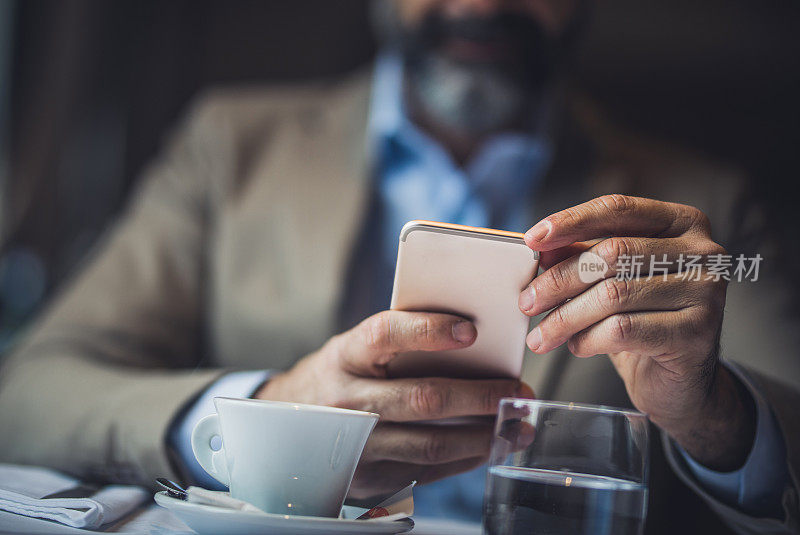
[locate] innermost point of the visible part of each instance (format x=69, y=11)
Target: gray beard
x=473, y=99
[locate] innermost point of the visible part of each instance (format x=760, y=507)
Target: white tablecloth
x=156, y=520
x=33, y=483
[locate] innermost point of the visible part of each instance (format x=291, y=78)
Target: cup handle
x=212, y=461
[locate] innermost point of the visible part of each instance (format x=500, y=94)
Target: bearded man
x=270, y=224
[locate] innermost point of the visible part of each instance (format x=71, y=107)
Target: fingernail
x=539, y=231
x=534, y=339
x=526, y=298
x=464, y=332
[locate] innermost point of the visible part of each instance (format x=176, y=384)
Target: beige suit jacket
x=232, y=255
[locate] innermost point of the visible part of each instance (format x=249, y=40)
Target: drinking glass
x=566, y=468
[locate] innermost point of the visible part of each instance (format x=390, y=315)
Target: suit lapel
x=331, y=200
x=296, y=219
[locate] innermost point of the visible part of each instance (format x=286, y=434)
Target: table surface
x=158, y=521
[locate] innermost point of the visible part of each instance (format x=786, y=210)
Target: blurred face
x=480, y=66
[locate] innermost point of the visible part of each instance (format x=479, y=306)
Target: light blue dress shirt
x=242, y=384
x=417, y=179
x=756, y=488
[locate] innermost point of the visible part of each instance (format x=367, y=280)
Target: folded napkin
x=398, y=505
x=43, y=493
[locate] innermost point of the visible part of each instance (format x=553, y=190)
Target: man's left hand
x=660, y=331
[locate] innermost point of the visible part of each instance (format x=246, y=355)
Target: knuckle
x=710, y=247
x=426, y=399
x=699, y=219
x=622, y=327
x=556, y=279
x=615, y=293
x=716, y=248
x=693, y=219
x=612, y=249
x=616, y=202
x=376, y=332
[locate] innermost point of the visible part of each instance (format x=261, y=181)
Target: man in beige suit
x=252, y=241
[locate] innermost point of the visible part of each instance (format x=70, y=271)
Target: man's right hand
x=349, y=371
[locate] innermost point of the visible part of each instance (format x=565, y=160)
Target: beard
x=480, y=93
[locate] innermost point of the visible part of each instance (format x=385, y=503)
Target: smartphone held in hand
x=473, y=272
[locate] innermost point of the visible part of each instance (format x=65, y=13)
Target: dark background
x=89, y=87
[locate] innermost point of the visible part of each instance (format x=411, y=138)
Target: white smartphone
x=472, y=272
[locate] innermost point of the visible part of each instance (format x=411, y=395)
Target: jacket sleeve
x=760, y=334
x=783, y=401
x=93, y=386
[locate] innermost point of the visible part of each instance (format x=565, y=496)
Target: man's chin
x=471, y=99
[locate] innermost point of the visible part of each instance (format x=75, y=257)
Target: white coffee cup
x=284, y=458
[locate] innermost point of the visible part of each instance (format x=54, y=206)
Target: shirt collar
x=387, y=110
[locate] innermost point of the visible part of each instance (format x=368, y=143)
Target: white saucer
x=211, y=520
